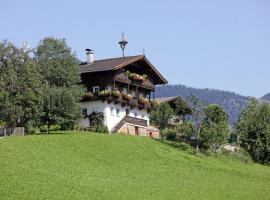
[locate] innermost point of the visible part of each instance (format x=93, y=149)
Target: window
x=85, y=90
x=135, y=115
x=108, y=87
x=133, y=93
x=112, y=112
x=84, y=111
x=142, y=116
x=125, y=90
x=127, y=112
x=117, y=112
x=95, y=89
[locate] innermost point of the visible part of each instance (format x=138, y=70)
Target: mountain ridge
x=232, y=102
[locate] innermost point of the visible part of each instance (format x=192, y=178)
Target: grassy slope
x=90, y=166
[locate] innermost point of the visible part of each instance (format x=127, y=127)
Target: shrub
x=239, y=154
x=54, y=127
x=170, y=134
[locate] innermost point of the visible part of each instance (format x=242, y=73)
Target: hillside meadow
x=99, y=166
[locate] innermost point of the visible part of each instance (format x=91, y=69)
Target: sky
x=204, y=44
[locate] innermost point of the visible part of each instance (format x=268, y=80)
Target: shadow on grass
x=178, y=145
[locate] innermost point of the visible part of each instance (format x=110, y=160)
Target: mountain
x=232, y=103
x=266, y=97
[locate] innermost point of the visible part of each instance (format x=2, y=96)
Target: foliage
x=181, y=108
x=116, y=94
x=170, y=134
x=126, y=97
x=161, y=116
x=104, y=93
x=143, y=100
x=59, y=106
x=77, y=165
x=96, y=122
x=197, y=108
x=136, y=76
x=61, y=92
x=232, y=103
x=253, y=128
x=20, y=86
x=215, y=129
x=184, y=131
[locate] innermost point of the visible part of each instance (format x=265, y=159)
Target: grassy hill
x=92, y=166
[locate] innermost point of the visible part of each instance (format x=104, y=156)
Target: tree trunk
x=48, y=128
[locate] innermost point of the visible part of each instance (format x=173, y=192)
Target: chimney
x=90, y=55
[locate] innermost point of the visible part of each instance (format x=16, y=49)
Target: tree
x=197, y=109
x=215, y=128
x=61, y=92
x=253, y=129
x=161, y=116
x=181, y=108
x=96, y=122
x=20, y=85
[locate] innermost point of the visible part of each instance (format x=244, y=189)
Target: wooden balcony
x=134, y=102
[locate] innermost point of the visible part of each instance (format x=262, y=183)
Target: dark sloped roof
x=166, y=99
x=116, y=63
x=107, y=64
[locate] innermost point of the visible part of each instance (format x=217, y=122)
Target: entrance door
x=136, y=130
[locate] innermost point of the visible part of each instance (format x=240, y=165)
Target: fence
x=18, y=131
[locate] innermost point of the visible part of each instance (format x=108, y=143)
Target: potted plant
x=127, y=97
x=116, y=94
x=104, y=93
x=88, y=95
x=143, y=100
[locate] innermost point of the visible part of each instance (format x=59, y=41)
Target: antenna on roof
x=143, y=51
x=123, y=42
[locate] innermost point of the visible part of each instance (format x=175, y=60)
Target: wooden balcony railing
x=132, y=102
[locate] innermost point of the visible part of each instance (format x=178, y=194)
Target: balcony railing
x=132, y=102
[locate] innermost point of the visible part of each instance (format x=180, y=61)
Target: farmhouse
x=121, y=88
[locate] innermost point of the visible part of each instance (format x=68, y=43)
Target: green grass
x=92, y=166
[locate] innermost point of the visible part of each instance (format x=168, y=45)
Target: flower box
x=104, y=93
x=127, y=97
x=116, y=94
x=143, y=100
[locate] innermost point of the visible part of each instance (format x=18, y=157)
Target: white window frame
x=95, y=89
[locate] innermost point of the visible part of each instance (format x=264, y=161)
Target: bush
x=170, y=134
x=54, y=127
x=240, y=155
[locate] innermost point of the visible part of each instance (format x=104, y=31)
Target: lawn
x=100, y=166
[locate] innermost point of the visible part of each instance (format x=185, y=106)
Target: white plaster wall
x=110, y=120
x=141, y=114
x=91, y=106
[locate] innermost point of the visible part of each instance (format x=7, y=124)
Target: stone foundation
x=132, y=129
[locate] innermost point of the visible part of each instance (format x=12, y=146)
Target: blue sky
x=214, y=44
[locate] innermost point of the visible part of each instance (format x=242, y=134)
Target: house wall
x=111, y=118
